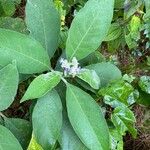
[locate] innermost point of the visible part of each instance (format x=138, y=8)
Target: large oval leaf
x=7, y=140
x=89, y=28
x=9, y=79
x=21, y=129
x=87, y=119
x=41, y=85
x=69, y=139
x=106, y=72
x=43, y=21
x=47, y=119
x=29, y=54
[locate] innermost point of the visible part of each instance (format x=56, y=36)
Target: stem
x=2, y=115
x=64, y=80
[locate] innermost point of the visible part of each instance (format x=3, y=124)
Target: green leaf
x=131, y=7
x=8, y=7
x=47, y=120
x=132, y=41
x=17, y=1
x=93, y=58
x=90, y=77
x=114, y=32
x=143, y=98
x=41, y=85
x=34, y=145
x=147, y=5
x=28, y=53
x=69, y=139
x=21, y=129
x=9, y=79
x=23, y=77
x=87, y=119
x=45, y=26
x=85, y=85
x=148, y=61
x=89, y=28
x=116, y=140
x=128, y=78
x=135, y=24
x=16, y=24
x=119, y=4
x=124, y=119
x=7, y=140
x=144, y=83
x=114, y=44
x=119, y=93
x=106, y=71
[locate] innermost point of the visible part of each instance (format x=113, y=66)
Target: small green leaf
x=124, y=119
x=89, y=28
x=135, y=24
x=28, y=53
x=90, y=77
x=128, y=78
x=114, y=44
x=45, y=27
x=87, y=119
x=119, y=4
x=41, y=85
x=34, y=145
x=8, y=7
x=116, y=140
x=16, y=24
x=7, y=140
x=9, y=79
x=21, y=129
x=144, y=98
x=131, y=8
x=47, y=120
x=114, y=32
x=106, y=71
x=119, y=93
x=144, y=83
x=93, y=58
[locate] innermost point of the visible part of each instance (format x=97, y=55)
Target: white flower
x=74, y=71
x=64, y=63
x=72, y=68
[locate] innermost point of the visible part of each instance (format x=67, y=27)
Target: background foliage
x=74, y=74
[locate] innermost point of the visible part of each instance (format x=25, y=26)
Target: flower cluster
x=70, y=68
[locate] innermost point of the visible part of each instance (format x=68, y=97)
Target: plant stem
x=2, y=115
x=64, y=80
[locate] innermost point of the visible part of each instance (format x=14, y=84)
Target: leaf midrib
x=85, y=115
x=76, y=49
x=27, y=56
x=42, y=22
